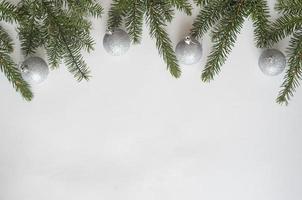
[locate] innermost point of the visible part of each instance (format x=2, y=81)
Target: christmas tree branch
x=32, y=35
x=294, y=73
x=157, y=13
x=9, y=68
x=182, y=5
x=260, y=16
x=62, y=27
x=84, y=8
x=227, y=18
x=224, y=38
x=71, y=53
x=284, y=26
x=166, y=9
x=117, y=12
x=289, y=24
x=289, y=7
x=134, y=20
x=202, y=2
x=207, y=17
x=163, y=43
x=7, y=12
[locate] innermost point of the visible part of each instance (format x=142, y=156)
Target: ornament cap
x=24, y=68
x=188, y=40
x=109, y=31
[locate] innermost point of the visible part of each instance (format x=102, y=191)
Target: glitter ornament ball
x=116, y=42
x=34, y=70
x=272, y=62
x=188, y=51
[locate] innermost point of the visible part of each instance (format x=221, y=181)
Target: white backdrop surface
x=135, y=133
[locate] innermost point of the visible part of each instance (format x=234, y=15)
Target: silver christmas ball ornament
x=34, y=70
x=188, y=51
x=116, y=42
x=272, y=62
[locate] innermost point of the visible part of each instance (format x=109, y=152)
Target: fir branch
x=227, y=18
x=224, y=38
x=134, y=20
x=288, y=24
x=207, y=17
x=76, y=64
x=62, y=28
x=8, y=67
x=5, y=41
x=157, y=13
x=95, y=10
x=289, y=7
x=294, y=73
x=202, y=2
x=31, y=33
x=182, y=5
x=78, y=31
x=71, y=49
x=166, y=9
x=85, y=8
x=163, y=43
x=260, y=16
x=284, y=26
x=54, y=51
x=8, y=12
x=117, y=12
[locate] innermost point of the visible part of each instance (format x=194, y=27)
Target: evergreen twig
x=294, y=73
x=62, y=28
x=8, y=13
x=224, y=38
x=290, y=23
x=226, y=17
x=156, y=13
x=134, y=20
x=260, y=16
x=163, y=43
x=9, y=68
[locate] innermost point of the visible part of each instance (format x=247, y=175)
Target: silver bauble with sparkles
x=272, y=62
x=34, y=70
x=116, y=42
x=188, y=51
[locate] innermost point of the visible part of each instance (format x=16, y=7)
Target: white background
x=135, y=133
